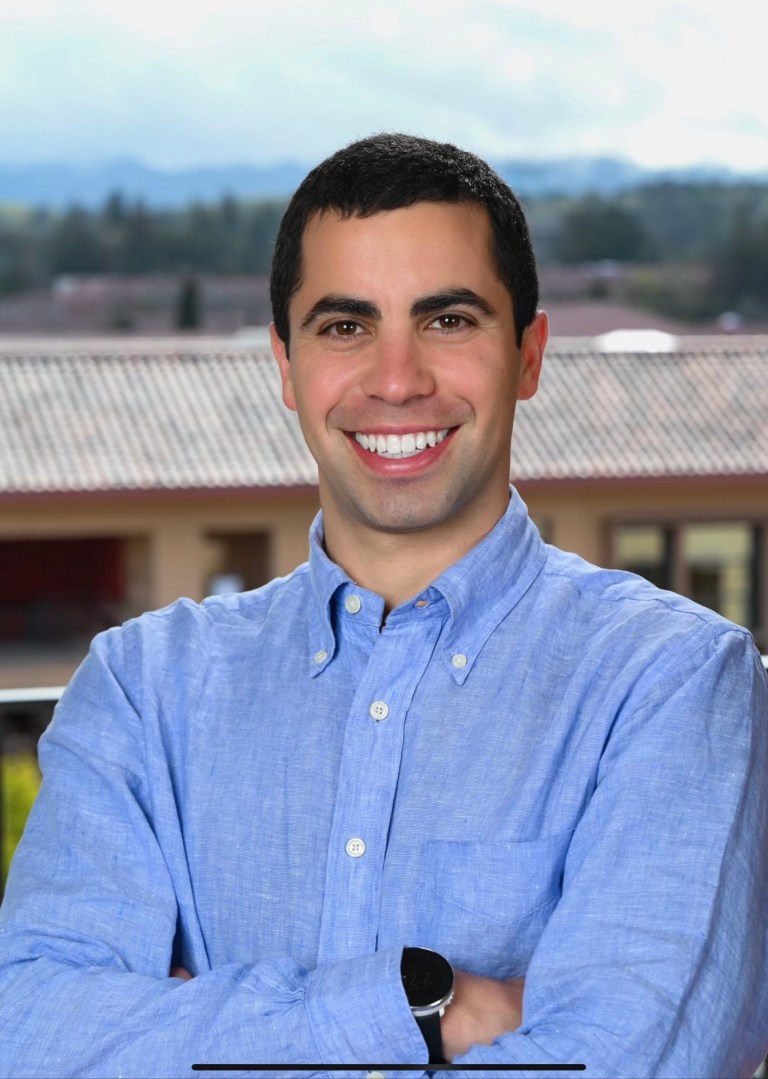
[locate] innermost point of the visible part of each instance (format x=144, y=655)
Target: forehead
x=427, y=245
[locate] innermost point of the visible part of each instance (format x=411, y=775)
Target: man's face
x=404, y=369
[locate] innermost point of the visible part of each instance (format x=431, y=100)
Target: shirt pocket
x=485, y=905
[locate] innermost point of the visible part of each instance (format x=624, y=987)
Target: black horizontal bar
x=391, y=1067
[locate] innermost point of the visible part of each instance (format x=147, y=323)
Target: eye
x=345, y=327
x=450, y=323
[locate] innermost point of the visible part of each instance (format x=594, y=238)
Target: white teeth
x=393, y=446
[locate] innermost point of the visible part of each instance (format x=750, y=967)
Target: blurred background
x=146, y=154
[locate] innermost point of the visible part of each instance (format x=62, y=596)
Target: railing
x=25, y=696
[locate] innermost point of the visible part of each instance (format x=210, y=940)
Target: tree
x=595, y=229
x=740, y=269
x=140, y=247
x=188, y=305
x=74, y=243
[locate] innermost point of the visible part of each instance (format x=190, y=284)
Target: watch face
x=427, y=977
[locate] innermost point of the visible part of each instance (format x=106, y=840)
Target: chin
x=411, y=512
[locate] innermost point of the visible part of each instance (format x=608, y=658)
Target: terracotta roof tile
x=196, y=413
x=145, y=415
x=698, y=410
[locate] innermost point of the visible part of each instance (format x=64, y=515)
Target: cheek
x=488, y=383
x=336, y=393
x=317, y=395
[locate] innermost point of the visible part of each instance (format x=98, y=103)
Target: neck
x=399, y=565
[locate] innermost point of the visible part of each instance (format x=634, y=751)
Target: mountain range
x=56, y=186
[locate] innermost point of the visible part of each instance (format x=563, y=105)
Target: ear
x=531, y=355
x=280, y=353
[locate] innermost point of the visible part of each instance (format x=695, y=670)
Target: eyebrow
x=340, y=305
x=428, y=305
x=425, y=305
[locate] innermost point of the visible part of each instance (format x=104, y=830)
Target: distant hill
x=605, y=176
x=57, y=186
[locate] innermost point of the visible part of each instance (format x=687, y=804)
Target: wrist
x=428, y=980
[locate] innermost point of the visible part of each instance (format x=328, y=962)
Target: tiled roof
x=145, y=414
x=129, y=414
x=698, y=410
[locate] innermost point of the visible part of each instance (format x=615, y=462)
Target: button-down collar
x=474, y=594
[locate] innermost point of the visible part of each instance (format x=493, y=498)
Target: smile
x=398, y=446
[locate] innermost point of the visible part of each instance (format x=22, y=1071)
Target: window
x=237, y=561
x=717, y=564
x=644, y=549
x=55, y=591
x=717, y=561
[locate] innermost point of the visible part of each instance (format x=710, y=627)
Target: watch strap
x=431, y=1031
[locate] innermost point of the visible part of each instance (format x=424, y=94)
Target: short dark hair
x=388, y=172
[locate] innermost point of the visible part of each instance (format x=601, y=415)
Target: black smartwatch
x=428, y=982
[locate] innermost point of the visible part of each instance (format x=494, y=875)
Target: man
x=440, y=734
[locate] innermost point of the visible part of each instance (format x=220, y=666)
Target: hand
x=482, y=1009
x=180, y=972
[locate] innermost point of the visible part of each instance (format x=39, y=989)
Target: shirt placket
x=368, y=777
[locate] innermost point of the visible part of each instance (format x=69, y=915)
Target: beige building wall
x=169, y=552
x=579, y=516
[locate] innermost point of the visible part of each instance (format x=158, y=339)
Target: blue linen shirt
x=535, y=766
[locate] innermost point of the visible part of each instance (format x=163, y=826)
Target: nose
x=398, y=371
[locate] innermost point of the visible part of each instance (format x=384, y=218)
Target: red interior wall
x=84, y=569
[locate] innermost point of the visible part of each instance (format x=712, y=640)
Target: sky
x=216, y=82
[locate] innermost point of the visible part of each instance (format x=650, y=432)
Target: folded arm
x=92, y=924
x=655, y=961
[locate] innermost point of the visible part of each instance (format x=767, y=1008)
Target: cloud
x=663, y=82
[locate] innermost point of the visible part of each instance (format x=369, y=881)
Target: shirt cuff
x=359, y=1014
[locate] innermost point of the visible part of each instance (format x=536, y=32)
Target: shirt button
x=321, y=656
x=379, y=710
x=353, y=604
x=355, y=848
x=421, y=603
x=375, y=1075
x=459, y=660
